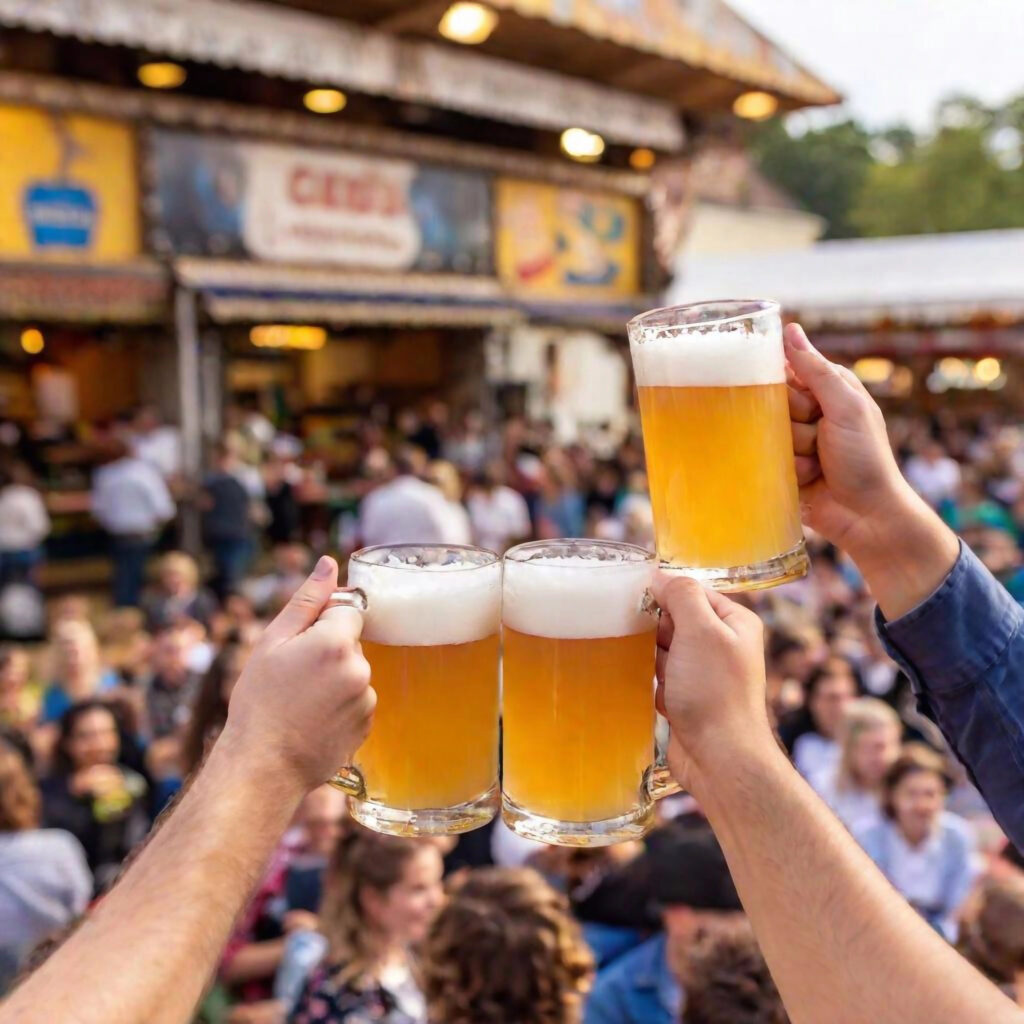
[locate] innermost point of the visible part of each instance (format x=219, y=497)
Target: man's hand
x=851, y=490
x=303, y=704
x=711, y=677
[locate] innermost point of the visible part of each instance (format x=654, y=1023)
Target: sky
x=894, y=60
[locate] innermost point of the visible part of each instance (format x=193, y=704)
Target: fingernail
x=323, y=568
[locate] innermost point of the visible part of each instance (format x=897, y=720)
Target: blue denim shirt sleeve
x=963, y=649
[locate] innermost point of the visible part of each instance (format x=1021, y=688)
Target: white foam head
x=427, y=605
x=730, y=353
x=572, y=597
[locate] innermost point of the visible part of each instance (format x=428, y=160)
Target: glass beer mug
x=711, y=380
x=432, y=618
x=579, y=631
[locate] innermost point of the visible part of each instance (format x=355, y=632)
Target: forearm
x=904, y=553
x=841, y=945
x=152, y=943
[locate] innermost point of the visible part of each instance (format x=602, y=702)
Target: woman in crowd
x=381, y=895
x=506, y=949
x=210, y=710
x=78, y=672
x=177, y=594
x=922, y=849
x=811, y=734
x=100, y=801
x=19, y=698
x=869, y=742
x=44, y=880
x=445, y=477
x=993, y=938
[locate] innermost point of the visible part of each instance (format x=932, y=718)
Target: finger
x=659, y=699
x=803, y=406
x=805, y=438
x=685, y=600
x=732, y=613
x=822, y=378
x=305, y=605
x=808, y=469
x=661, y=660
x=666, y=629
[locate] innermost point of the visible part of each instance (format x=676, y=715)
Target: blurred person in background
x=690, y=888
x=499, y=515
x=209, y=710
x=561, y=510
x=157, y=443
x=503, y=949
x=171, y=688
x=407, y=509
x=1001, y=555
x=177, y=593
x=130, y=500
x=811, y=733
x=467, y=446
x=100, y=801
x=227, y=519
x=727, y=980
x=993, y=936
x=791, y=657
x=20, y=697
x=269, y=592
x=284, y=514
x=445, y=477
x=77, y=671
x=24, y=525
x=924, y=851
x=45, y=882
x=381, y=895
x=869, y=742
x=933, y=474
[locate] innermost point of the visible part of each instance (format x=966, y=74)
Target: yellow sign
x=68, y=188
x=565, y=243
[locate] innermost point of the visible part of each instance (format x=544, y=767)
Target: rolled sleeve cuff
x=958, y=633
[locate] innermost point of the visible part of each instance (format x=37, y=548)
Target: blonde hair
x=445, y=477
x=19, y=795
x=185, y=564
x=506, y=948
x=75, y=630
x=861, y=715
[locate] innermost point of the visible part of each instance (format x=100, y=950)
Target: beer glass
x=432, y=619
x=711, y=380
x=578, y=627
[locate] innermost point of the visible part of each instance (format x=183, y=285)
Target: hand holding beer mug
x=432, y=616
x=711, y=379
x=579, y=633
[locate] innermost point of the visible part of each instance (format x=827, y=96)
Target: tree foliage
x=965, y=174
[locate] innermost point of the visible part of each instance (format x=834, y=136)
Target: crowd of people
x=105, y=721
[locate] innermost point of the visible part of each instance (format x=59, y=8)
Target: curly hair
x=361, y=860
x=727, y=981
x=506, y=949
x=19, y=795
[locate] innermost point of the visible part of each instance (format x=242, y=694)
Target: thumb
x=822, y=378
x=685, y=600
x=306, y=603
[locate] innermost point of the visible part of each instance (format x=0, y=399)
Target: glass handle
x=348, y=779
x=660, y=782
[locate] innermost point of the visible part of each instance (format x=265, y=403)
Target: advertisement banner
x=218, y=197
x=68, y=189
x=566, y=244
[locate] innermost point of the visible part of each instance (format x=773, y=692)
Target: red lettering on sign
x=359, y=193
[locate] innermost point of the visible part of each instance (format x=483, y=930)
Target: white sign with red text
x=304, y=206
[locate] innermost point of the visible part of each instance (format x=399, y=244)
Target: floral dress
x=329, y=1000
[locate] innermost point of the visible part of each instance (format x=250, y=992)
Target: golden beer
x=578, y=692
x=711, y=383
x=431, y=636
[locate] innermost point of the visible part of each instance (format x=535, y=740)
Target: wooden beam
x=708, y=90
x=417, y=17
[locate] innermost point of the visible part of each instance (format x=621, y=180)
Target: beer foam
x=725, y=356
x=575, y=598
x=428, y=605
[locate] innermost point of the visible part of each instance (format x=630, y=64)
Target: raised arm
x=842, y=946
x=301, y=708
x=952, y=627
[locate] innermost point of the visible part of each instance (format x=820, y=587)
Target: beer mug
x=432, y=615
x=579, y=632
x=711, y=380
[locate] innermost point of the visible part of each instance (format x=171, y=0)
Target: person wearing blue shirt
x=689, y=881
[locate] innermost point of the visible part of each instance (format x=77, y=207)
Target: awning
x=301, y=46
x=134, y=293
x=917, y=281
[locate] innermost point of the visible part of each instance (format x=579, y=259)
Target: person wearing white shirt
x=933, y=474
x=130, y=500
x=869, y=743
x=157, y=443
x=24, y=525
x=406, y=510
x=499, y=515
x=925, y=852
